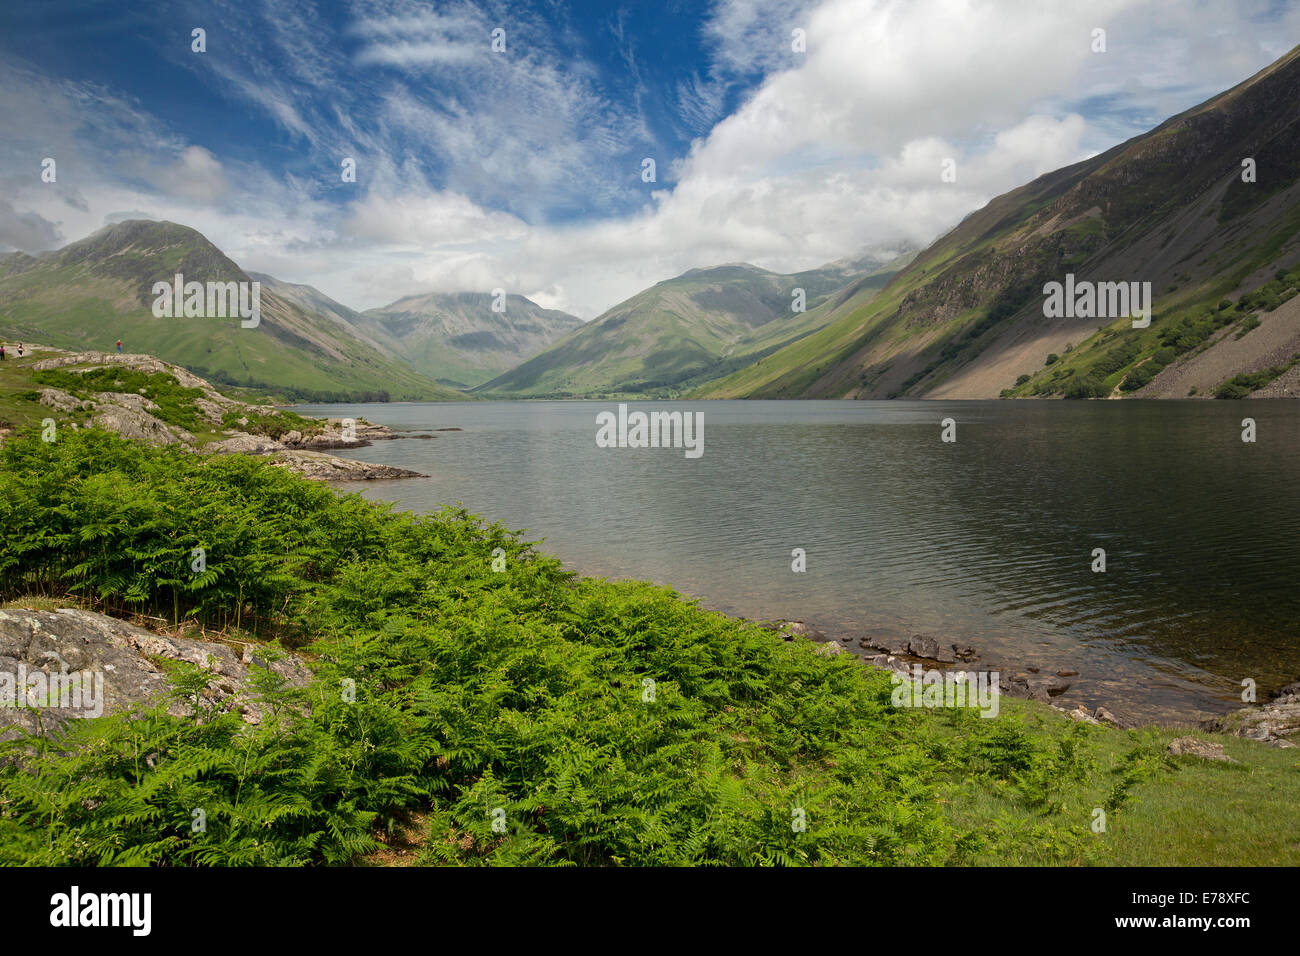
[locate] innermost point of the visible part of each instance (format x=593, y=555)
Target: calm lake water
x=986, y=541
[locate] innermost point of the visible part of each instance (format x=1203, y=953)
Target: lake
x=987, y=540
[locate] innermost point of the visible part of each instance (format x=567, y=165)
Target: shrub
x=1085, y=386
x=1239, y=386
x=1139, y=376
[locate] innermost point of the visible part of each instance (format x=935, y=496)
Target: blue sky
x=522, y=169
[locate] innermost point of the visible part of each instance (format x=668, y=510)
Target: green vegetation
x=1240, y=386
x=96, y=290
x=523, y=690
x=1085, y=386
x=175, y=403
x=927, y=319
x=689, y=331
x=274, y=425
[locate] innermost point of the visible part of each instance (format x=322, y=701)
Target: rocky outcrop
x=125, y=413
x=900, y=654
x=244, y=444
x=1194, y=747
x=141, y=426
x=57, y=666
x=134, y=416
x=319, y=467
x=61, y=401
x=333, y=435
x=1276, y=722
x=142, y=363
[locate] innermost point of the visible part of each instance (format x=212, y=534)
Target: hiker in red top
x=119, y=346
x=2, y=353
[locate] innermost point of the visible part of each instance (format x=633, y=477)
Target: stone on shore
x=1192, y=747
x=1275, y=722
x=320, y=467
x=931, y=648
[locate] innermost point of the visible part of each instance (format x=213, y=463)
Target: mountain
x=1171, y=207
x=458, y=339
x=683, y=331
x=313, y=300
x=97, y=290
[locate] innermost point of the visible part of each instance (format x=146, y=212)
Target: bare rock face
x=128, y=400
x=140, y=425
x=125, y=413
x=244, y=443
x=210, y=410
x=57, y=666
x=320, y=467
x=61, y=401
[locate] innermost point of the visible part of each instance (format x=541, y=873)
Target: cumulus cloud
x=25, y=231
x=508, y=176
x=195, y=174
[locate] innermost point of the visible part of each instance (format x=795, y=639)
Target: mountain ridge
x=98, y=289
x=689, y=328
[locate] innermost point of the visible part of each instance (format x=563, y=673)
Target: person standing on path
x=119, y=346
x=20, y=349
x=2, y=352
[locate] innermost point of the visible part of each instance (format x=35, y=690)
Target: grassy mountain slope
x=313, y=300
x=687, y=330
x=95, y=291
x=965, y=319
x=457, y=339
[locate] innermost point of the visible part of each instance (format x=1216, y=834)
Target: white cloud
x=195, y=174
x=836, y=149
x=440, y=219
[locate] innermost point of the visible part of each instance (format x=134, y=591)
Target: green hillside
x=688, y=330
x=98, y=290
x=459, y=339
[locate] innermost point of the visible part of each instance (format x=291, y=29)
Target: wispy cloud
x=522, y=169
